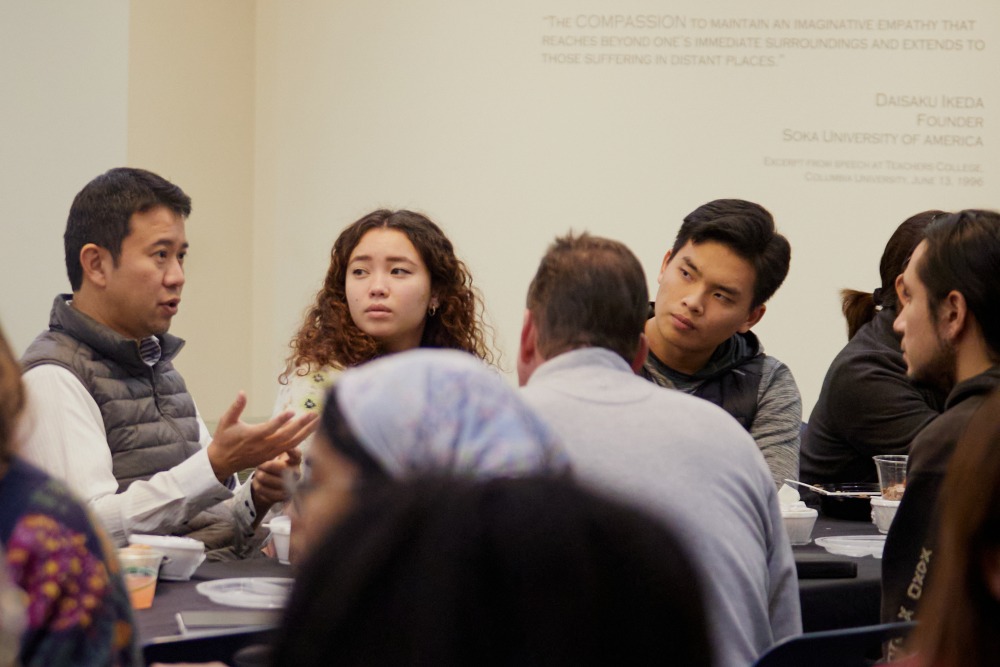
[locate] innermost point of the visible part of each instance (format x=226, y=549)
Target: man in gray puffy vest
x=108, y=412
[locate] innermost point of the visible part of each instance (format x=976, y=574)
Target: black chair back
x=850, y=647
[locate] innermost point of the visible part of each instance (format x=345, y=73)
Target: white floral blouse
x=305, y=393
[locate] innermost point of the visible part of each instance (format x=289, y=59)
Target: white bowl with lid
x=182, y=555
x=799, y=521
x=883, y=512
x=281, y=533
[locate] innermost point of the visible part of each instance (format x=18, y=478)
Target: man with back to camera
x=726, y=262
x=107, y=411
x=681, y=458
x=949, y=321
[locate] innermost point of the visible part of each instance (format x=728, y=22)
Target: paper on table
x=855, y=546
x=217, y=619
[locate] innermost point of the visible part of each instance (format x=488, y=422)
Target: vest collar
x=103, y=339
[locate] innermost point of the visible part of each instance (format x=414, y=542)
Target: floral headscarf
x=433, y=410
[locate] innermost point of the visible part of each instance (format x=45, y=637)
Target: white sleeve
x=62, y=432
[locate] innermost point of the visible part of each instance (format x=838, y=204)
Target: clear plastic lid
x=249, y=592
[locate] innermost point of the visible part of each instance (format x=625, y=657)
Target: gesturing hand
x=237, y=445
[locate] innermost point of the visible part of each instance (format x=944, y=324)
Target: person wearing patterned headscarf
x=423, y=411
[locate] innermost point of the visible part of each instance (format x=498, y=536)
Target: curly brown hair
x=328, y=335
x=11, y=398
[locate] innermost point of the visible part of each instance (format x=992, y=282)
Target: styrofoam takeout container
x=182, y=555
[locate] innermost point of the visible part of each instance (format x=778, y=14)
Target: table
x=830, y=603
x=174, y=596
x=827, y=603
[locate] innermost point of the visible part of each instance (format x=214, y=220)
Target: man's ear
x=753, y=318
x=96, y=263
x=640, y=354
x=953, y=313
x=527, y=354
x=663, y=266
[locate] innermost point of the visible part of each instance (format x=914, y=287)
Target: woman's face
x=323, y=499
x=388, y=289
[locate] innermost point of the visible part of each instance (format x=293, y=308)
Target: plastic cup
x=140, y=568
x=281, y=531
x=891, y=475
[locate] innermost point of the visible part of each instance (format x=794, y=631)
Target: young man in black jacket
x=727, y=261
x=950, y=325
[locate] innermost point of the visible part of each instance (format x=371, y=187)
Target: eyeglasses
x=298, y=485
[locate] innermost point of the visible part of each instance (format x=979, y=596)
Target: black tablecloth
x=174, y=596
x=830, y=603
x=827, y=603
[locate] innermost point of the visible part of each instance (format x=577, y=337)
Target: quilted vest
x=149, y=417
x=735, y=390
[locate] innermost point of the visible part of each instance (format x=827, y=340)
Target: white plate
x=855, y=546
x=249, y=592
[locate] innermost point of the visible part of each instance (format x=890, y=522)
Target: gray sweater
x=687, y=461
x=777, y=420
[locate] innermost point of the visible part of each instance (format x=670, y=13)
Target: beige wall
x=286, y=121
x=63, y=109
x=449, y=108
x=191, y=120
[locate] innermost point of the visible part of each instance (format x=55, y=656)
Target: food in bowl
x=894, y=492
x=848, y=500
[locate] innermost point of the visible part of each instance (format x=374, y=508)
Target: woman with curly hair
x=394, y=284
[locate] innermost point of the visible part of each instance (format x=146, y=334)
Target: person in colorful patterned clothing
x=77, y=606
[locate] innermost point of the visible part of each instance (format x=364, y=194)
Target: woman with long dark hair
x=867, y=405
